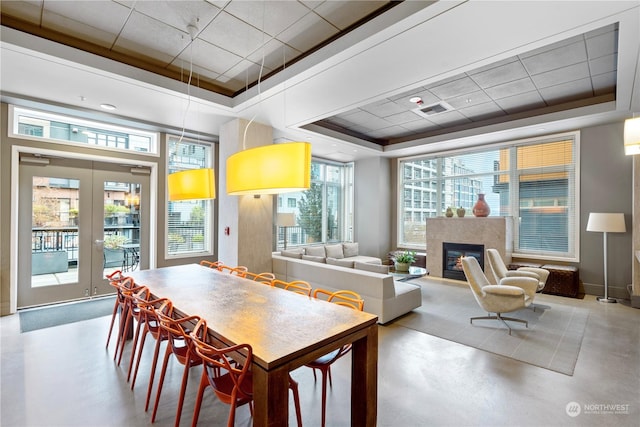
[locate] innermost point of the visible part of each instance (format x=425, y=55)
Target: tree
x=310, y=212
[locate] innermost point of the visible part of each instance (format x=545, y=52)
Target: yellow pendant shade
x=270, y=169
x=192, y=184
x=632, y=136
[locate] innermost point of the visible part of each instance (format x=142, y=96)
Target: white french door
x=78, y=221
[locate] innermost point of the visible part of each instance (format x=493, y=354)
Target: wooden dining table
x=286, y=330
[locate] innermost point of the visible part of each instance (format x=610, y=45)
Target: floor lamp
x=606, y=223
x=285, y=220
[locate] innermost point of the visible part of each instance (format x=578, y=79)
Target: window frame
x=513, y=173
x=46, y=117
x=209, y=230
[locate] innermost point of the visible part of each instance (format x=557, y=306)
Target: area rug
x=60, y=314
x=552, y=340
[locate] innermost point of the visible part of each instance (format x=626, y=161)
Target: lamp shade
x=606, y=222
x=286, y=220
x=192, y=184
x=632, y=136
x=270, y=169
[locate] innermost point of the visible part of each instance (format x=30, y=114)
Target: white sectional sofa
x=383, y=296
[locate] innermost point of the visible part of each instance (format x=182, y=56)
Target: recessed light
x=109, y=107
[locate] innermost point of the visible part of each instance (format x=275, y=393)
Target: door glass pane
x=54, y=231
x=121, y=248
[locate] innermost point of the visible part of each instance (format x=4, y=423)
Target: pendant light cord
x=184, y=116
x=244, y=137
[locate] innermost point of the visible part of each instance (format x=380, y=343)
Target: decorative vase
x=461, y=211
x=449, y=212
x=481, y=208
x=401, y=266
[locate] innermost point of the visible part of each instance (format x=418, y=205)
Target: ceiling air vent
x=430, y=110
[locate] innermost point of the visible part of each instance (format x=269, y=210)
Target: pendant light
x=191, y=184
x=632, y=136
x=269, y=169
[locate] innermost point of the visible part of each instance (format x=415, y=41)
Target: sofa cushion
x=375, y=268
x=315, y=251
x=313, y=258
x=292, y=253
x=350, y=249
x=367, y=259
x=341, y=262
x=334, y=251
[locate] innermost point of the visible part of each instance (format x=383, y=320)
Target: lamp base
x=608, y=299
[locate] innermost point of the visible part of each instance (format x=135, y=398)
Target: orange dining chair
x=128, y=312
x=116, y=279
x=147, y=307
x=180, y=345
x=297, y=286
x=265, y=278
x=232, y=381
x=210, y=264
x=323, y=364
x=240, y=270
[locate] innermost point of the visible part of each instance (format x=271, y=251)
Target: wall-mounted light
x=192, y=184
x=632, y=136
x=270, y=169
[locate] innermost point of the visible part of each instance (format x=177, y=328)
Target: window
x=324, y=212
x=189, y=223
x=534, y=181
x=71, y=130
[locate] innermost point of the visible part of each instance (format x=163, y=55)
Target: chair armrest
x=528, y=284
x=522, y=273
x=542, y=273
x=503, y=290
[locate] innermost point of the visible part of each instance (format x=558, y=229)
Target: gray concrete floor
x=63, y=376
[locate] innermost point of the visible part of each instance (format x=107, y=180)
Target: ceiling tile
x=561, y=75
x=469, y=99
x=604, y=83
x=366, y=119
x=421, y=125
x=79, y=30
x=511, y=71
x=603, y=44
x=112, y=16
x=402, y=118
x=167, y=42
x=553, y=46
x=481, y=112
x=179, y=14
x=246, y=71
x=387, y=132
x=236, y=36
x=603, y=64
x=521, y=102
x=511, y=88
x=384, y=108
x=556, y=58
x=272, y=17
x=276, y=54
x=567, y=92
x=308, y=32
x=209, y=56
x=344, y=13
x=454, y=88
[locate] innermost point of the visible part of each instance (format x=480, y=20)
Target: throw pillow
x=292, y=254
x=374, y=268
x=334, y=251
x=313, y=258
x=340, y=262
x=350, y=249
x=315, y=251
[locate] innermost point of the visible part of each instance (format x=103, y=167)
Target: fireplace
x=451, y=254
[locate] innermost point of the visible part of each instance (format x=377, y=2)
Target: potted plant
x=403, y=260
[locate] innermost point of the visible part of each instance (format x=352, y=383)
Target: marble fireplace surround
x=492, y=232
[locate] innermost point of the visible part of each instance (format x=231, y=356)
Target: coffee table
x=413, y=273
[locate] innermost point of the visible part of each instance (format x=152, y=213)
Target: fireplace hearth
x=451, y=254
